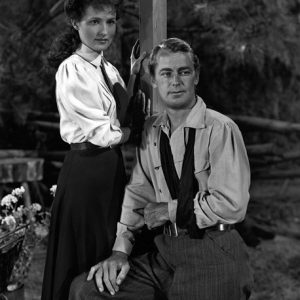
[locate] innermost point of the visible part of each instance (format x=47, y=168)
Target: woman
x=90, y=187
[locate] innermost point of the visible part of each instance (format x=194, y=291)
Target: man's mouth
x=176, y=92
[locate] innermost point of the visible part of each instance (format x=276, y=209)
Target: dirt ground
x=275, y=262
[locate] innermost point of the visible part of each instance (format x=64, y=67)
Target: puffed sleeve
x=80, y=92
x=228, y=183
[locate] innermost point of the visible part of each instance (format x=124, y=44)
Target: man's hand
x=112, y=271
x=156, y=214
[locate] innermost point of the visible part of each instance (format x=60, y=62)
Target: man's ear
x=74, y=24
x=153, y=82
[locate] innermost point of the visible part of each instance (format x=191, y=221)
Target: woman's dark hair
x=172, y=45
x=67, y=43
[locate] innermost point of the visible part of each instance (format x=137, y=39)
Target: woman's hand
x=136, y=59
x=138, y=111
x=144, y=104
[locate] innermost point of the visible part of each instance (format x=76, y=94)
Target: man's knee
x=80, y=287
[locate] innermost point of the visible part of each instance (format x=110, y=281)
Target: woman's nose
x=103, y=28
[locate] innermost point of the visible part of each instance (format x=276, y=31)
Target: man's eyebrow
x=179, y=69
x=165, y=69
x=185, y=68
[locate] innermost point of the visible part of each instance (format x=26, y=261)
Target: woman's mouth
x=102, y=41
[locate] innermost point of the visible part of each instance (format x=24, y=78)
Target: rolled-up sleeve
x=83, y=99
x=227, y=195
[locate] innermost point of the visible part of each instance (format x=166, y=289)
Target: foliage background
x=249, y=50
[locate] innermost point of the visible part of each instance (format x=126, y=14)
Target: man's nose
x=176, y=79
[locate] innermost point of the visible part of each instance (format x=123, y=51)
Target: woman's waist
x=90, y=146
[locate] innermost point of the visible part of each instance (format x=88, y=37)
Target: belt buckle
x=171, y=230
x=222, y=227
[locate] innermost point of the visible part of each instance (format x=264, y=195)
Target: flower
x=36, y=207
x=41, y=231
x=28, y=224
x=13, y=215
x=8, y=200
x=18, y=192
x=9, y=223
x=53, y=189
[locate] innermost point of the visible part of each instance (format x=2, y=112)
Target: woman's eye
x=94, y=22
x=111, y=22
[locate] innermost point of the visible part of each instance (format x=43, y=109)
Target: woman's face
x=97, y=27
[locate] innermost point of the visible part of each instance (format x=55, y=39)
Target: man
x=191, y=179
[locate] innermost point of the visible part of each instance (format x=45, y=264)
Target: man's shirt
x=221, y=169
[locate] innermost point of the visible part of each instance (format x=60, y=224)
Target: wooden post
x=153, y=29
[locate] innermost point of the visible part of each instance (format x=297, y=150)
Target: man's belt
x=171, y=229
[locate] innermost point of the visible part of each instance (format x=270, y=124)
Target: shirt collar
x=195, y=119
x=97, y=61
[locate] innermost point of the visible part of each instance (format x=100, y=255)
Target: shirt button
x=156, y=168
x=154, y=144
x=160, y=190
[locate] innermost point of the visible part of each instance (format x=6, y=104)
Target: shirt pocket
x=202, y=172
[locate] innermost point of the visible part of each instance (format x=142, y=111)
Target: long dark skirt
x=84, y=218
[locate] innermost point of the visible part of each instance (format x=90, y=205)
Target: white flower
x=41, y=231
x=53, y=190
x=9, y=223
x=14, y=199
x=8, y=199
x=20, y=208
x=18, y=192
x=36, y=207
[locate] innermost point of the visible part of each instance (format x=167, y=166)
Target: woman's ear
x=74, y=24
x=196, y=81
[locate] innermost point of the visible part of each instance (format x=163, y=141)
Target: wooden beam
x=266, y=124
x=153, y=29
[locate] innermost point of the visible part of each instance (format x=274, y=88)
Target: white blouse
x=86, y=106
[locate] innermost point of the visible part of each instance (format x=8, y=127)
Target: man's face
x=97, y=27
x=175, y=79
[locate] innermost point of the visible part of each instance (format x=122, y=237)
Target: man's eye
x=166, y=74
x=185, y=73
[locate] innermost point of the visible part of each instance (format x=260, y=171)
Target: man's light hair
x=172, y=45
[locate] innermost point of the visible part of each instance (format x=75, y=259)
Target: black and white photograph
x=149, y=150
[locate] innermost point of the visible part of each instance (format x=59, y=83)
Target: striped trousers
x=212, y=268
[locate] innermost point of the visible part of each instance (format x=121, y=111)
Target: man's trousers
x=214, y=267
